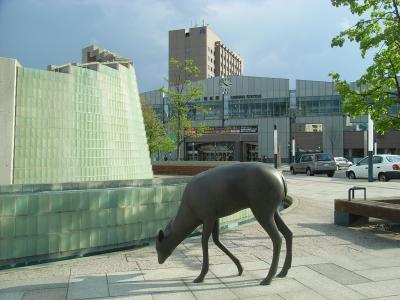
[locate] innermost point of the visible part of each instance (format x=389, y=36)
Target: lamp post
x=375, y=148
x=293, y=150
x=370, y=147
x=275, y=147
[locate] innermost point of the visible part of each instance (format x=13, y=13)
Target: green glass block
x=7, y=248
x=43, y=225
x=21, y=205
x=75, y=221
x=102, y=217
x=42, y=245
x=104, y=200
x=66, y=222
x=7, y=227
x=43, y=203
x=85, y=219
x=95, y=240
x=56, y=202
x=20, y=247
x=74, y=240
x=7, y=205
x=112, y=217
x=54, y=243
x=120, y=216
x=112, y=237
x=84, y=239
x=21, y=226
x=31, y=247
x=54, y=223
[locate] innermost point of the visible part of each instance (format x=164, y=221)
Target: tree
x=157, y=137
x=378, y=90
x=182, y=96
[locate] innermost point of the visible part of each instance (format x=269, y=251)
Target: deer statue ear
x=160, y=235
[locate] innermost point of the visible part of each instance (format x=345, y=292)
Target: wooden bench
x=358, y=211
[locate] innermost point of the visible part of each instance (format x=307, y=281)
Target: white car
x=342, y=162
x=385, y=167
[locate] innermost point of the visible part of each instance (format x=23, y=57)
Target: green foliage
x=378, y=90
x=182, y=95
x=157, y=137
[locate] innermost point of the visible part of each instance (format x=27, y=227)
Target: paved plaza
x=329, y=262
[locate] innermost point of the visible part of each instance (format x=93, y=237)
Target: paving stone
x=174, y=296
x=210, y=288
x=303, y=260
x=378, y=289
x=46, y=294
x=16, y=285
x=87, y=286
x=171, y=274
x=103, y=266
x=12, y=295
x=121, y=277
x=266, y=297
x=153, y=264
x=339, y=274
x=35, y=272
x=248, y=285
x=306, y=294
x=131, y=297
x=322, y=285
x=378, y=274
x=142, y=288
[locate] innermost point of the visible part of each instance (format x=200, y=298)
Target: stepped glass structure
x=71, y=123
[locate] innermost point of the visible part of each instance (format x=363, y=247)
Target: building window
x=205, y=98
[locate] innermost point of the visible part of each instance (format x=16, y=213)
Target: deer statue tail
x=284, y=186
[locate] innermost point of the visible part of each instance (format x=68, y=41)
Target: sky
x=275, y=38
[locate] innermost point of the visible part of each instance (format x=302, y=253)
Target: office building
x=240, y=121
x=206, y=50
x=71, y=123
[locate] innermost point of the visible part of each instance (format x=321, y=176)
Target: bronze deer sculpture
x=223, y=191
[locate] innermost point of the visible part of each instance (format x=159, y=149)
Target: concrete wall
x=7, y=118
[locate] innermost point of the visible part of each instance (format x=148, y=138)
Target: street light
x=275, y=147
x=370, y=147
x=293, y=150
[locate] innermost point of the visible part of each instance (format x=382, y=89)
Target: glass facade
x=84, y=125
x=239, y=109
x=319, y=105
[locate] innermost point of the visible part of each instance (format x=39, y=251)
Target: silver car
x=319, y=163
x=342, y=163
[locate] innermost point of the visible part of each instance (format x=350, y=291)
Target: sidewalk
x=329, y=262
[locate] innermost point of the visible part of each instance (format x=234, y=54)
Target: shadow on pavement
x=361, y=235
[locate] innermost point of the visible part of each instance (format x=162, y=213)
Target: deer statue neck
x=182, y=226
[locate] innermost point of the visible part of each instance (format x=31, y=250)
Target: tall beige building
x=206, y=50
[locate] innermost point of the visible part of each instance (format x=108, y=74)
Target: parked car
x=342, y=162
x=319, y=163
x=385, y=167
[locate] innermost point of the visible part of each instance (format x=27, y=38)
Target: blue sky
x=276, y=38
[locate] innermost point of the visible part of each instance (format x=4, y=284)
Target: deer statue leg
x=282, y=227
x=207, y=228
x=215, y=236
x=267, y=221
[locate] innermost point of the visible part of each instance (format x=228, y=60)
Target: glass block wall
x=84, y=125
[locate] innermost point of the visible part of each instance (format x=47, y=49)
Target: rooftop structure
x=206, y=50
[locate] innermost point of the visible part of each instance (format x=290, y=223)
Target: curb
x=295, y=203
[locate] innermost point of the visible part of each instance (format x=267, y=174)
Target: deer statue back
x=220, y=192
